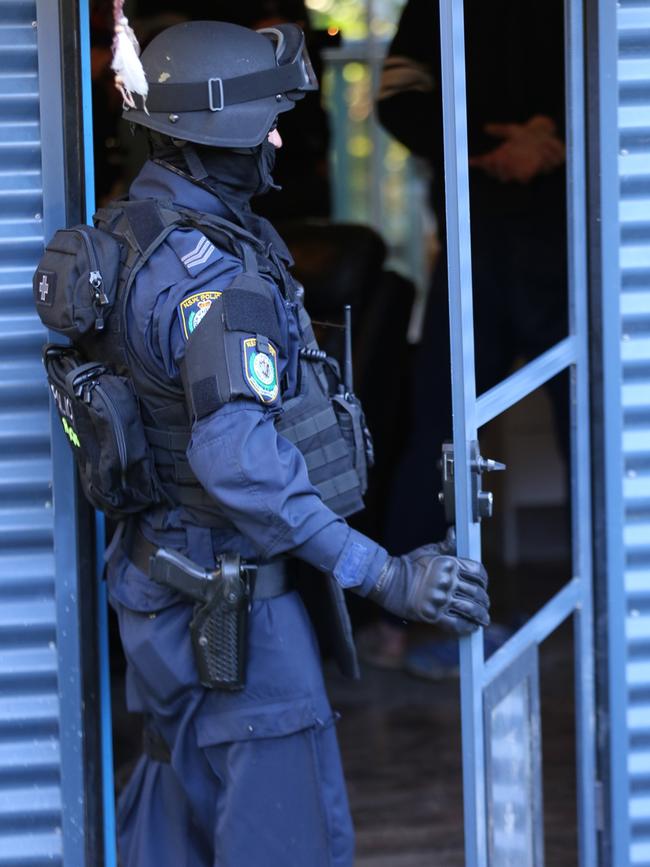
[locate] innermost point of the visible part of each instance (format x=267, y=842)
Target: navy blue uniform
x=255, y=777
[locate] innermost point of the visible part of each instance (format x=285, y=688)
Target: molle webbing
x=172, y=440
x=339, y=489
x=308, y=427
x=176, y=476
x=310, y=423
x=319, y=457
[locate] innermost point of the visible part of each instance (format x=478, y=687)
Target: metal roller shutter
x=41, y=790
x=634, y=173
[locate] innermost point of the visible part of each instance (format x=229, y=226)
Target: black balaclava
x=234, y=176
x=238, y=175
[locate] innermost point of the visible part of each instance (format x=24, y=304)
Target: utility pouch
x=353, y=427
x=219, y=627
x=101, y=418
x=75, y=283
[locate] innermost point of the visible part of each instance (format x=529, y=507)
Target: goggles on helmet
x=292, y=76
x=290, y=50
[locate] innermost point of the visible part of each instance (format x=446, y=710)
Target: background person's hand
x=526, y=151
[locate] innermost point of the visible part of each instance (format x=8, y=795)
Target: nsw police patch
x=261, y=370
x=193, y=308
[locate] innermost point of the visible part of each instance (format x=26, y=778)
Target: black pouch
x=101, y=418
x=75, y=282
x=353, y=427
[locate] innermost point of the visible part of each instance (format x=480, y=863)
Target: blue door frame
x=481, y=680
x=106, y=723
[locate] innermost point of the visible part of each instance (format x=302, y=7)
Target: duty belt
x=271, y=579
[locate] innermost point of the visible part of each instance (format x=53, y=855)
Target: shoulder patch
x=261, y=369
x=194, y=250
x=192, y=309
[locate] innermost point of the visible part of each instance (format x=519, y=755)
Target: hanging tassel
x=129, y=74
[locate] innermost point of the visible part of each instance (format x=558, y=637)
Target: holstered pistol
x=220, y=623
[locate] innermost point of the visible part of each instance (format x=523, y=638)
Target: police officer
x=247, y=436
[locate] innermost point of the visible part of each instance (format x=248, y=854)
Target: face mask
x=239, y=174
x=265, y=163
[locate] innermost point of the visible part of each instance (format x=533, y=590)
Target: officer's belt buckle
x=214, y=107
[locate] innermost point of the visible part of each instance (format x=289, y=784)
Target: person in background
x=302, y=166
x=515, y=128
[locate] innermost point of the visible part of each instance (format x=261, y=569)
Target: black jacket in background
x=514, y=70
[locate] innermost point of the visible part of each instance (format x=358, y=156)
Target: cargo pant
x=255, y=777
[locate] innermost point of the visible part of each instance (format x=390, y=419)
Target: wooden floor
x=400, y=739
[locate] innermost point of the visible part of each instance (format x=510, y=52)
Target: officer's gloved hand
x=430, y=585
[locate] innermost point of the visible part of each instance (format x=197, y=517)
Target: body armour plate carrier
x=320, y=420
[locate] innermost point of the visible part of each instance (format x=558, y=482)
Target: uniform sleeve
x=260, y=481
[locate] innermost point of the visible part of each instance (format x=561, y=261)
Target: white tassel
x=129, y=74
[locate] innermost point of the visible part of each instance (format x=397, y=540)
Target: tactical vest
x=320, y=420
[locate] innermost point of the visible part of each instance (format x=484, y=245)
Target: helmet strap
x=193, y=162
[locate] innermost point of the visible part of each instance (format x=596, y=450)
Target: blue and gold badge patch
x=261, y=370
x=193, y=308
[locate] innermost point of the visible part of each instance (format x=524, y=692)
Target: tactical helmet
x=220, y=84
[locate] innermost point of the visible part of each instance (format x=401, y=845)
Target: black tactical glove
x=429, y=585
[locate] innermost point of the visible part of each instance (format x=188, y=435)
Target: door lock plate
x=482, y=501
